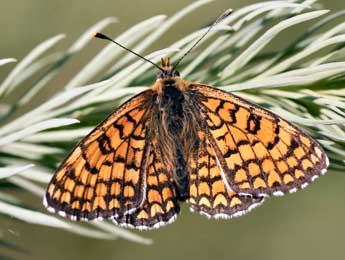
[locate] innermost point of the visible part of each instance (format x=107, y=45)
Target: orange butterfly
x=182, y=141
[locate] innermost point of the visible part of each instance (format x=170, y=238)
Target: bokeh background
x=306, y=225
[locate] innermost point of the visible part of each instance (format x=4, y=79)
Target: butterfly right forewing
x=261, y=153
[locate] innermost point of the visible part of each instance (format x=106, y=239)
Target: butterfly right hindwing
x=209, y=192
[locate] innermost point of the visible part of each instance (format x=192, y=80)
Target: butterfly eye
x=160, y=75
x=177, y=73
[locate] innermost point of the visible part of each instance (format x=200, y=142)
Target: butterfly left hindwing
x=160, y=205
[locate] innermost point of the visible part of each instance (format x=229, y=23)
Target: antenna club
x=229, y=11
x=224, y=15
x=100, y=36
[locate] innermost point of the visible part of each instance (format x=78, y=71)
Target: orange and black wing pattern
x=209, y=193
x=103, y=176
x=182, y=141
x=260, y=153
x=160, y=206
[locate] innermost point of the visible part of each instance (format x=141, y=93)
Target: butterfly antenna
x=223, y=16
x=103, y=36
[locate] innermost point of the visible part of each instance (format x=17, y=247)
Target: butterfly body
x=182, y=141
x=175, y=129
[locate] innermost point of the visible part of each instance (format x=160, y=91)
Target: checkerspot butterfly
x=182, y=141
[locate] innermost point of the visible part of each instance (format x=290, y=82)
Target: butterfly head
x=167, y=71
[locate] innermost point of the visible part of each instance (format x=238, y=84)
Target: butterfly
x=182, y=141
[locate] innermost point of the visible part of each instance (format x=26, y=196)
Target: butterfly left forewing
x=103, y=175
x=261, y=153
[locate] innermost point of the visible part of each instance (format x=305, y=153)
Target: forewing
x=209, y=193
x=104, y=174
x=260, y=153
x=160, y=206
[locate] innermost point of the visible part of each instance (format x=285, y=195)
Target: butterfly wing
x=160, y=206
x=104, y=175
x=209, y=193
x=260, y=153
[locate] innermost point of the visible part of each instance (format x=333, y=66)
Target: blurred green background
x=306, y=225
